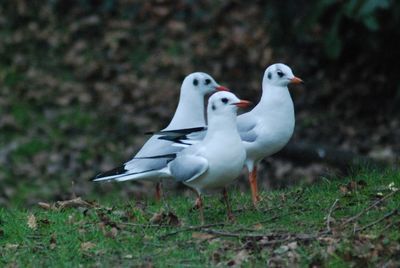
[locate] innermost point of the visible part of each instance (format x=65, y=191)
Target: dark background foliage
x=81, y=81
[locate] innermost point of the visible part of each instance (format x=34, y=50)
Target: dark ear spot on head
x=224, y=100
x=269, y=75
x=213, y=107
x=207, y=81
x=195, y=82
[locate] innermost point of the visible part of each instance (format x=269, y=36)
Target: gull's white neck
x=275, y=102
x=189, y=113
x=222, y=125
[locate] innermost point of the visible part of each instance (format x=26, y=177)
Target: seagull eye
x=207, y=81
x=195, y=82
x=224, y=100
x=280, y=73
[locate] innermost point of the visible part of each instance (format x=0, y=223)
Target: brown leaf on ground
x=216, y=256
x=11, y=246
x=85, y=246
x=112, y=233
x=258, y=226
x=240, y=257
x=352, y=186
x=202, y=236
x=163, y=218
x=106, y=221
x=44, y=221
x=172, y=219
x=74, y=203
x=157, y=217
x=44, y=205
x=53, y=241
x=32, y=223
x=343, y=189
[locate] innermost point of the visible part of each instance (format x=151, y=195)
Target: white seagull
x=219, y=158
x=264, y=130
x=188, y=114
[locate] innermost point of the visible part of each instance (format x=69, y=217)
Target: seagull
x=219, y=158
x=264, y=130
x=268, y=127
x=188, y=114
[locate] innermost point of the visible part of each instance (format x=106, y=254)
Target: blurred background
x=82, y=80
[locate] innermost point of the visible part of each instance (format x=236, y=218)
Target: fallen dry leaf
x=172, y=219
x=165, y=218
x=258, y=226
x=292, y=245
x=44, y=221
x=157, y=218
x=343, y=189
x=44, y=205
x=392, y=187
x=281, y=249
x=240, y=257
x=32, y=223
x=53, y=242
x=216, y=256
x=74, y=203
x=85, y=246
x=11, y=246
x=202, y=236
x=112, y=233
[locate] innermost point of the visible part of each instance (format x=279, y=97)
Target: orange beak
x=296, y=80
x=242, y=103
x=222, y=88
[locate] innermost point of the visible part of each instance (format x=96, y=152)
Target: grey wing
x=153, y=147
x=188, y=167
x=246, y=126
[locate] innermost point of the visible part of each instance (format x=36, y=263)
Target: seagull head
x=281, y=75
x=225, y=103
x=201, y=83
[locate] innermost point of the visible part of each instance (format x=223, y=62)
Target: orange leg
x=253, y=186
x=158, y=191
x=199, y=203
x=231, y=217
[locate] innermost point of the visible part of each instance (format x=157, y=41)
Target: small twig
x=143, y=225
x=230, y=234
x=388, y=215
x=369, y=208
x=192, y=228
x=244, y=209
x=297, y=237
x=328, y=218
x=390, y=225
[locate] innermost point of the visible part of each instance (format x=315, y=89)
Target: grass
x=114, y=232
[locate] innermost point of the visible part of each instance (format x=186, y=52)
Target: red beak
x=242, y=103
x=296, y=80
x=222, y=88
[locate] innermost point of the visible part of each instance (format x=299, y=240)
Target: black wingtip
x=157, y=156
x=177, y=140
x=182, y=131
x=112, y=172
